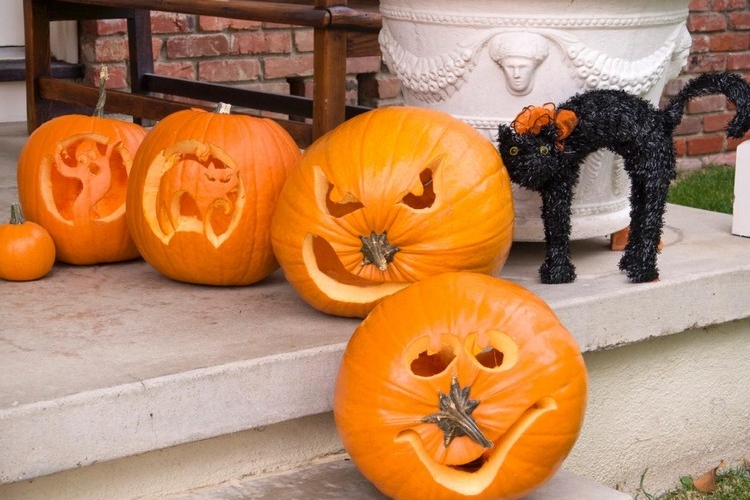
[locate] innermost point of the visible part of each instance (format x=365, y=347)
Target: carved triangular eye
x=427, y=198
x=346, y=205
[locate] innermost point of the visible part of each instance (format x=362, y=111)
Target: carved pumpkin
x=27, y=251
x=72, y=180
x=460, y=386
x=202, y=191
x=387, y=198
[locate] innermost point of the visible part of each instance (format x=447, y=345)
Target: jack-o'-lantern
x=460, y=386
x=72, y=180
x=388, y=198
x=202, y=192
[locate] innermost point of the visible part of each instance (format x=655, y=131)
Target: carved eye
x=425, y=359
x=513, y=150
x=544, y=150
x=341, y=208
x=427, y=198
x=499, y=354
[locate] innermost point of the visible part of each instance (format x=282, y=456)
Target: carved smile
x=473, y=478
x=330, y=275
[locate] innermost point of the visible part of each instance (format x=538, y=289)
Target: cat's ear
x=505, y=134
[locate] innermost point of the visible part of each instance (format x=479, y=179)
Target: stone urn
x=483, y=61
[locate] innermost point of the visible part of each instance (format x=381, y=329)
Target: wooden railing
x=341, y=29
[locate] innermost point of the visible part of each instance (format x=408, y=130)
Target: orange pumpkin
x=460, y=386
x=27, y=251
x=72, y=180
x=202, y=191
x=387, y=198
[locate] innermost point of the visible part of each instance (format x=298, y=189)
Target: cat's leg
x=556, y=205
x=648, y=203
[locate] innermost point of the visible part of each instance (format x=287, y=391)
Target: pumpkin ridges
x=241, y=254
x=375, y=398
x=372, y=162
x=88, y=241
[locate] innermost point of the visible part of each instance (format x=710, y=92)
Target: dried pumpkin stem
x=103, y=77
x=454, y=417
x=16, y=214
x=377, y=250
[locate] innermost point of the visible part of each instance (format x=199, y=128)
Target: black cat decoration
x=544, y=147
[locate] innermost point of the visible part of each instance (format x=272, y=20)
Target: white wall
x=11, y=23
x=668, y=406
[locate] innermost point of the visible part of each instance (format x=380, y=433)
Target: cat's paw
x=554, y=274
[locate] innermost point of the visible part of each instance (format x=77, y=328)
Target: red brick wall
x=279, y=58
x=259, y=56
x=721, y=42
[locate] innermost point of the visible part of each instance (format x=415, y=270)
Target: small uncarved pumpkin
x=202, y=192
x=460, y=386
x=27, y=251
x=388, y=198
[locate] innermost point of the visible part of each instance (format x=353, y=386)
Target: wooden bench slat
x=270, y=12
x=15, y=70
x=152, y=108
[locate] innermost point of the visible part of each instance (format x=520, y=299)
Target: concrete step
x=338, y=479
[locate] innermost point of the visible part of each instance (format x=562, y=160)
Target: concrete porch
x=118, y=383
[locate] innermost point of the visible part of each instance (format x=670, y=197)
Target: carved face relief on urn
x=519, y=55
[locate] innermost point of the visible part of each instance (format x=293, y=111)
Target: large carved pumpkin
x=387, y=198
x=202, y=192
x=72, y=180
x=460, y=386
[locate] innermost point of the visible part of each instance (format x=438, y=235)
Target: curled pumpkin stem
x=454, y=417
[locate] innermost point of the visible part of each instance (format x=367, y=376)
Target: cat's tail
x=732, y=85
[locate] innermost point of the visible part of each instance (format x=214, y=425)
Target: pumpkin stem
x=16, y=214
x=377, y=250
x=454, y=417
x=103, y=77
x=223, y=108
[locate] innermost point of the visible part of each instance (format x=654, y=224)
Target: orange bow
x=533, y=118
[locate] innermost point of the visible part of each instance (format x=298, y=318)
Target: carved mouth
x=474, y=477
x=331, y=277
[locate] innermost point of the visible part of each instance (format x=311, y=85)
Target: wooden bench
x=340, y=28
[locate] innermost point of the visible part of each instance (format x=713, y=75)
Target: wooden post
x=38, y=59
x=329, y=75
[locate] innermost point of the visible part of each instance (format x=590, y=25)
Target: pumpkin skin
x=448, y=335
x=426, y=182
x=27, y=251
x=202, y=192
x=72, y=180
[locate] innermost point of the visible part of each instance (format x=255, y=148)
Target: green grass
x=731, y=484
x=711, y=188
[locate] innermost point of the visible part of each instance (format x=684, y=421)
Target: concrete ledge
x=102, y=362
x=339, y=479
